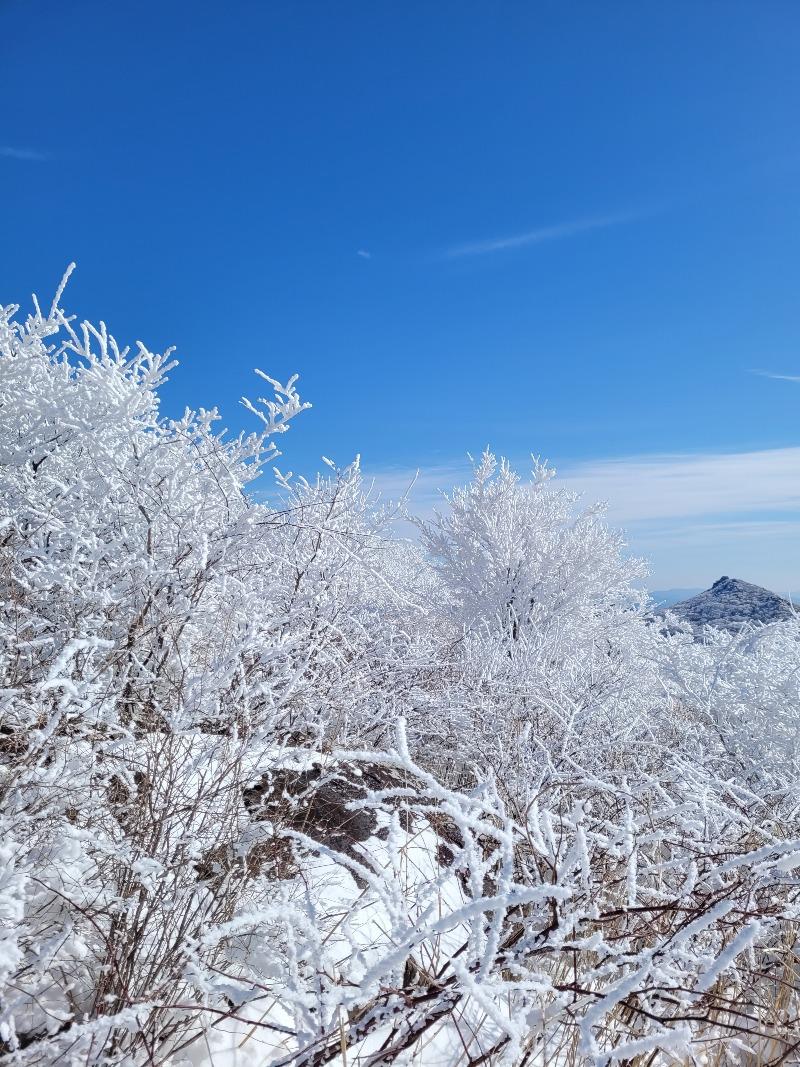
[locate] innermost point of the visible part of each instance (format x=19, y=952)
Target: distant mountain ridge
x=730, y=604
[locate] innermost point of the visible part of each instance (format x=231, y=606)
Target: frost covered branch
x=280, y=787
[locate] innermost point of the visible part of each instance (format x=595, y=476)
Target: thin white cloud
x=29, y=155
x=424, y=487
x=648, y=487
x=711, y=532
x=556, y=232
x=651, y=487
x=778, y=377
x=364, y=253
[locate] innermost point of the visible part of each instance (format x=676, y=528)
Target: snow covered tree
x=540, y=620
x=279, y=788
x=519, y=556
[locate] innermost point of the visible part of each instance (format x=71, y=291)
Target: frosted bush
x=278, y=787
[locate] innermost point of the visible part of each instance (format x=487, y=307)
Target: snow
x=281, y=788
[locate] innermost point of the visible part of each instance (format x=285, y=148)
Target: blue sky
x=562, y=228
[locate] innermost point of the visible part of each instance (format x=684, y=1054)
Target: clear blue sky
x=567, y=228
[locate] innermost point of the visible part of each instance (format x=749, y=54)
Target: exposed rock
x=317, y=804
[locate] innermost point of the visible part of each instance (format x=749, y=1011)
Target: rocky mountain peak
x=731, y=603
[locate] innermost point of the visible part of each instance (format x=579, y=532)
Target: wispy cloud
x=648, y=487
x=556, y=232
x=424, y=487
x=668, y=486
x=715, y=533
x=364, y=253
x=28, y=155
x=778, y=377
